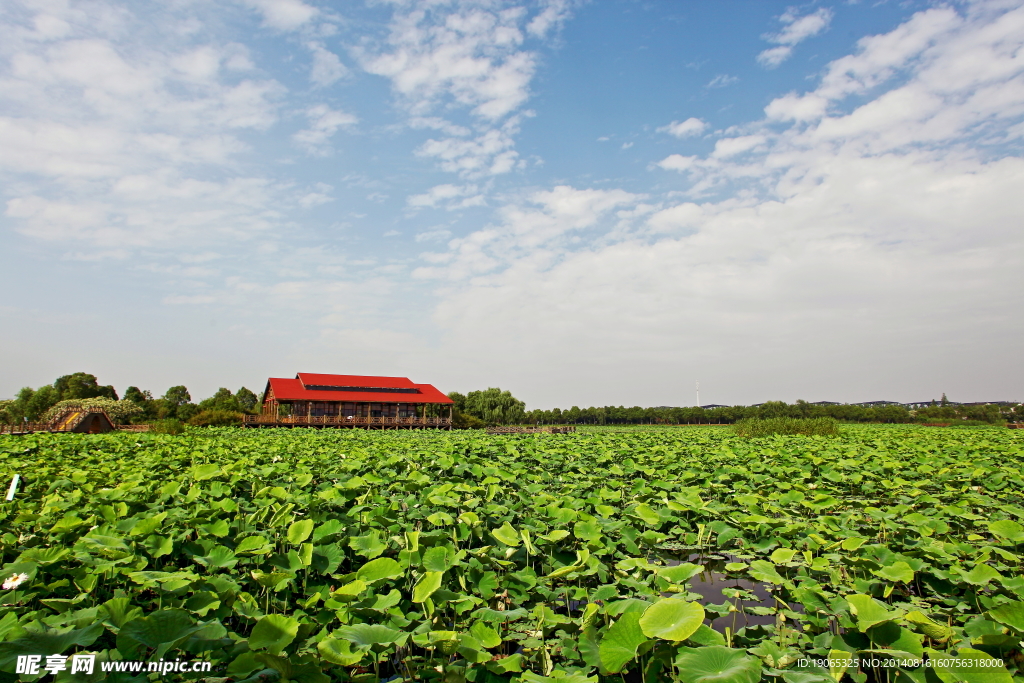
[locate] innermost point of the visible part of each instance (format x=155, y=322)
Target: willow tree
x=495, y=406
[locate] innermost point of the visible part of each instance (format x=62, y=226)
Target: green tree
x=138, y=396
x=247, y=400
x=495, y=406
x=82, y=385
x=222, y=400
x=459, y=400
x=178, y=396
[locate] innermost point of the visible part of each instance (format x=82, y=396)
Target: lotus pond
x=885, y=554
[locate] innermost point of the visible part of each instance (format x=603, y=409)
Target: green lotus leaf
x=46, y=643
x=869, y=611
x=765, y=571
x=299, y=531
x=935, y=631
x=896, y=572
x=253, y=545
x=219, y=557
x=273, y=633
x=204, y=472
x=43, y=556
x=507, y=535
x=439, y=559
x=647, y=515
x=1007, y=529
x=367, y=635
x=161, y=631
x=426, y=586
x=980, y=574
x=782, y=555
x=339, y=652
x=379, y=569
x=331, y=527
x=504, y=665
x=705, y=635
x=620, y=642
x=717, y=664
x=369, y=546
x=672, y=619
x=680, y=573
x=487, y=636
x=1011, y=614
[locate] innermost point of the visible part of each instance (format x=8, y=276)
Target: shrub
x=216, y=418
x=814, y=426
x=462, y=420
x=167, y=427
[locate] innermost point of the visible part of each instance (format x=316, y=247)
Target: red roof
x=353, y=388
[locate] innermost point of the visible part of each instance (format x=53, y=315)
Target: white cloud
x=321, y=195
x=793, y=107
x=491, y=153
x=123, y=139
x=324, y=122
x=433, y=235
x=284, y=15
x=536, y=230
x=683, y=129
x=839, y=230
x=469, y=56
x=452, y=197
x=774, y=56
x=796, y=30
x=677, y=162
x=327, y=68
x=727, y=147
x=721, y=81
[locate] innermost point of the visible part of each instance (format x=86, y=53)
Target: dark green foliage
x=810, y=426
x=461, y=420
x=491, y=406
x=177, y=396
x=82, y=385
x=214, y=417
x=137, y=396
x=247, y=400
x=167, y=426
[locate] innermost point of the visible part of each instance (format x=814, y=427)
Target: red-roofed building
x=313, y=399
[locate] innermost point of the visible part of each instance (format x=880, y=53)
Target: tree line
x=475, y=409
x=137, y=406
x=494, y=406
x=610, y=415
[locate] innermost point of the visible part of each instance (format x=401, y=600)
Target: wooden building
x=317, y=400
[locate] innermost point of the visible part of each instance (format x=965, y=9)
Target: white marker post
x=14, y=487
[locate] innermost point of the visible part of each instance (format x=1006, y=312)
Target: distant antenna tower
x=698, y=394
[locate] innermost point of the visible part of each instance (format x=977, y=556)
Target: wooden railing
x=342, y=421
x=25, y=428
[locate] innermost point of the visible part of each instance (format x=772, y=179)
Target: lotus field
x=888, y=553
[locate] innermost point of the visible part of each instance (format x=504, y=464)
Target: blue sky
x=583, y=202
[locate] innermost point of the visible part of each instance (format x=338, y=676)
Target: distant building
x=317, y=400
